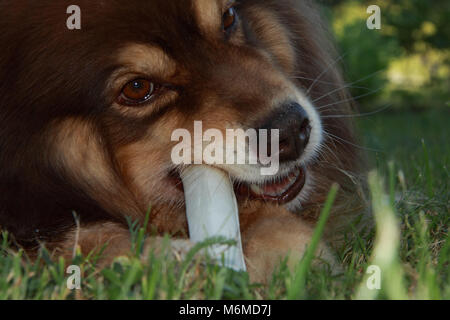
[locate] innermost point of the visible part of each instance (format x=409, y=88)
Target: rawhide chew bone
x=211, y=210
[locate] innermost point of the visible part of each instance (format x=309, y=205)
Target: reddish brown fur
x=66, y=147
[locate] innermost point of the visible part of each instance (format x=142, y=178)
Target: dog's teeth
x=256, y=189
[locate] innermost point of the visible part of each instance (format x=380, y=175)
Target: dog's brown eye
x=137, y=91
x=229, y=19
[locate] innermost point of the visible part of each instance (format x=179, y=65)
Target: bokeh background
x=406, y=64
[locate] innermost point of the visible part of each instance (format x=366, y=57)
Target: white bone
x=211, y=210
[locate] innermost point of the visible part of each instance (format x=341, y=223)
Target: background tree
x=406, y=64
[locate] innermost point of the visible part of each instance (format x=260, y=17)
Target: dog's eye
x=137, y=92
x=229, y=19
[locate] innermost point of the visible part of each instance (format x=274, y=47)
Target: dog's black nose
x=294, y=128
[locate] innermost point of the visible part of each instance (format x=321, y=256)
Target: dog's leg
x=276, y=235
x=114, y=240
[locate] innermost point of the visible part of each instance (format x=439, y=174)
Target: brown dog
x=86, y=118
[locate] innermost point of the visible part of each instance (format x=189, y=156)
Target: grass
x=410, y=247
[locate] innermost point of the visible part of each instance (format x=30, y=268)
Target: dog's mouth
x=281, y=191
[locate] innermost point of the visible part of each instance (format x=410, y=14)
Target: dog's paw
x=274, y=239
x=175, y=248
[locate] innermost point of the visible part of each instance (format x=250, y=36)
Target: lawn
x=409, y=154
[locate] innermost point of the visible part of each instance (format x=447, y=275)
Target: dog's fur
x=67, y=146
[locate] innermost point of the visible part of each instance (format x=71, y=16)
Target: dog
x=86, y=117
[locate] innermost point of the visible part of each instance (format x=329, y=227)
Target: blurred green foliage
x=405, y=64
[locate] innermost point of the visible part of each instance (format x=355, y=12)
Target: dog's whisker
x=331, y=151
x=357, y=115
x=352, y=83
x=351, y=143
x=332, y=83
x=349, y=99
x=329, y=67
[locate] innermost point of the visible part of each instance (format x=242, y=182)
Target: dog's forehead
x=156, y=14
x=160, y=22
x=119, y=15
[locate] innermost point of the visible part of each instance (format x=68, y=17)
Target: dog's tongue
x=211, y=210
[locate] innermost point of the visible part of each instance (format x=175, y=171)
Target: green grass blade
x=297, y=287
x=428, y=173
x=385, y=254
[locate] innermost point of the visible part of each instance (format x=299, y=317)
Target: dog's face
x=223, y=74
x=101, y=103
